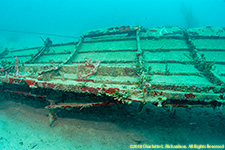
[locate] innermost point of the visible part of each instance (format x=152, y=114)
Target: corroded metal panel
x=165, y=66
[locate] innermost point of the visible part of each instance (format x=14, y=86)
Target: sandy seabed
x=24, y=126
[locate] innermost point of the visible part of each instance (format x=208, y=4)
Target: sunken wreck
x=165, y=66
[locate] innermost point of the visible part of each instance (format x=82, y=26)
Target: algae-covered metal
x=165, y=66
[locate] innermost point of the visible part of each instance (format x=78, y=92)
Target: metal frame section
x=50, y=71
x=201, y=64
x=36, y=56
x=111, y=31
x=132, y=64
x=143, y=79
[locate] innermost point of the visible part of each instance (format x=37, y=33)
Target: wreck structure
x=164, y=66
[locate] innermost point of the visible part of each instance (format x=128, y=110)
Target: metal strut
x=201, y=64
x=140, y=69
x=66, y=61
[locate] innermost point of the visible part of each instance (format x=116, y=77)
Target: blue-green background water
x=23, y=126
x=73, y=17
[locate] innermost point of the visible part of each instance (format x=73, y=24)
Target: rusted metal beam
x=38, y=54
x=56, y=68
x=201, y=64
x=80, y=105
x=74, y=51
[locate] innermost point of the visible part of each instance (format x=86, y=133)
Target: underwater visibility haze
x=112, y=74
x=72, y=18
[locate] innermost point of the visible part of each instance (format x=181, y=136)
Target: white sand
x=25, y=127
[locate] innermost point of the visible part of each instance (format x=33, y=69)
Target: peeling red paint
x=50, y=85
x=30, y=82
x=161, y=93
x=157, y=93
x=66, y=106
x=138, y=54
x=153, y=30
x=18, y=80
x=99, y=88
x=129, y=98
x=145, y=90
x=212, y=87
x=111, y=90
x=137, y=100
x=10, y=80
x=189, y=96
x=44, y=84
x=90, y=89
x=103, y=103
